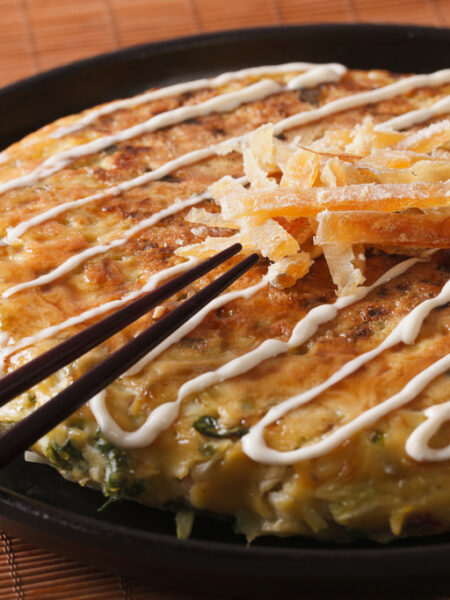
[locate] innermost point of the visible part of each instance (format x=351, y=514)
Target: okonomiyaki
x=313, y=397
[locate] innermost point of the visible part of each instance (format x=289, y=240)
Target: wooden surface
x=39, y=34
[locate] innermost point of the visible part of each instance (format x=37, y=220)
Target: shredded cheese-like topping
x=334, y=198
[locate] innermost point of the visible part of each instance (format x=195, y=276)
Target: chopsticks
x=36, y=370
x=25, y=433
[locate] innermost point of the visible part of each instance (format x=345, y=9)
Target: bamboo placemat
x=39, y=34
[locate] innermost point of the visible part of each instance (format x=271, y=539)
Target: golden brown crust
x=363, y=484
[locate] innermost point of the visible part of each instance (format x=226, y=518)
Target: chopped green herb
x=107, y=502
x=207, y=425
x=117, y=473
x=31, y=399
x=377, y=437
x=67, y=456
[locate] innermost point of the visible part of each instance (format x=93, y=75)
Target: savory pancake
x=312, y=397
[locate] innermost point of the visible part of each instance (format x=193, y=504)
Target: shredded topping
x=351, y=189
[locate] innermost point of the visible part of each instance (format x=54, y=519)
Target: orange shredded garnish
x=383, y=229
x=352, y=188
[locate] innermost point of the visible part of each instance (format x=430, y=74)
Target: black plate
x=37, y=504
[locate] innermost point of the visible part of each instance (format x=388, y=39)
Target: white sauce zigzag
x=91, y=313
x=164, y=415
x=189, y=158
x=302, y=332
x=406, y=331
x=417, y=444
x=413, y=117
x=76, y=260
x=196, y=320
x=313, y=77
x=178, y=89
x=222, y=103
x=323, y=73
x=361, y=98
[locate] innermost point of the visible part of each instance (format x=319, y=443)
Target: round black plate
x=38, y=505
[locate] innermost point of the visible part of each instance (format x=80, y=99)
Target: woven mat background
x=39, y=34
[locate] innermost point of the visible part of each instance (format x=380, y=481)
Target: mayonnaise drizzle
x=221, y=103
x=230, y=101
x=413, y=117
x=180, y=88
x=164, y=415
x=74, y=261
x=182, y=161
x=323, y=72
x=361, y=98
x=314, y=77
x=224, y=102
x=417, y=444
x=406, y=331
x=303, y=331
x=91, y=313
x=196, y=320
x=309, y=78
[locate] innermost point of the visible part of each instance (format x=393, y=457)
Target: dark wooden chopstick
x=23, y=378
x=21, y=436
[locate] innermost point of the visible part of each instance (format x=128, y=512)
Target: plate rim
x=206, y=39
x=21, y=503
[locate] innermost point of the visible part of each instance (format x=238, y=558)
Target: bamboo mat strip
x=39, y=34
